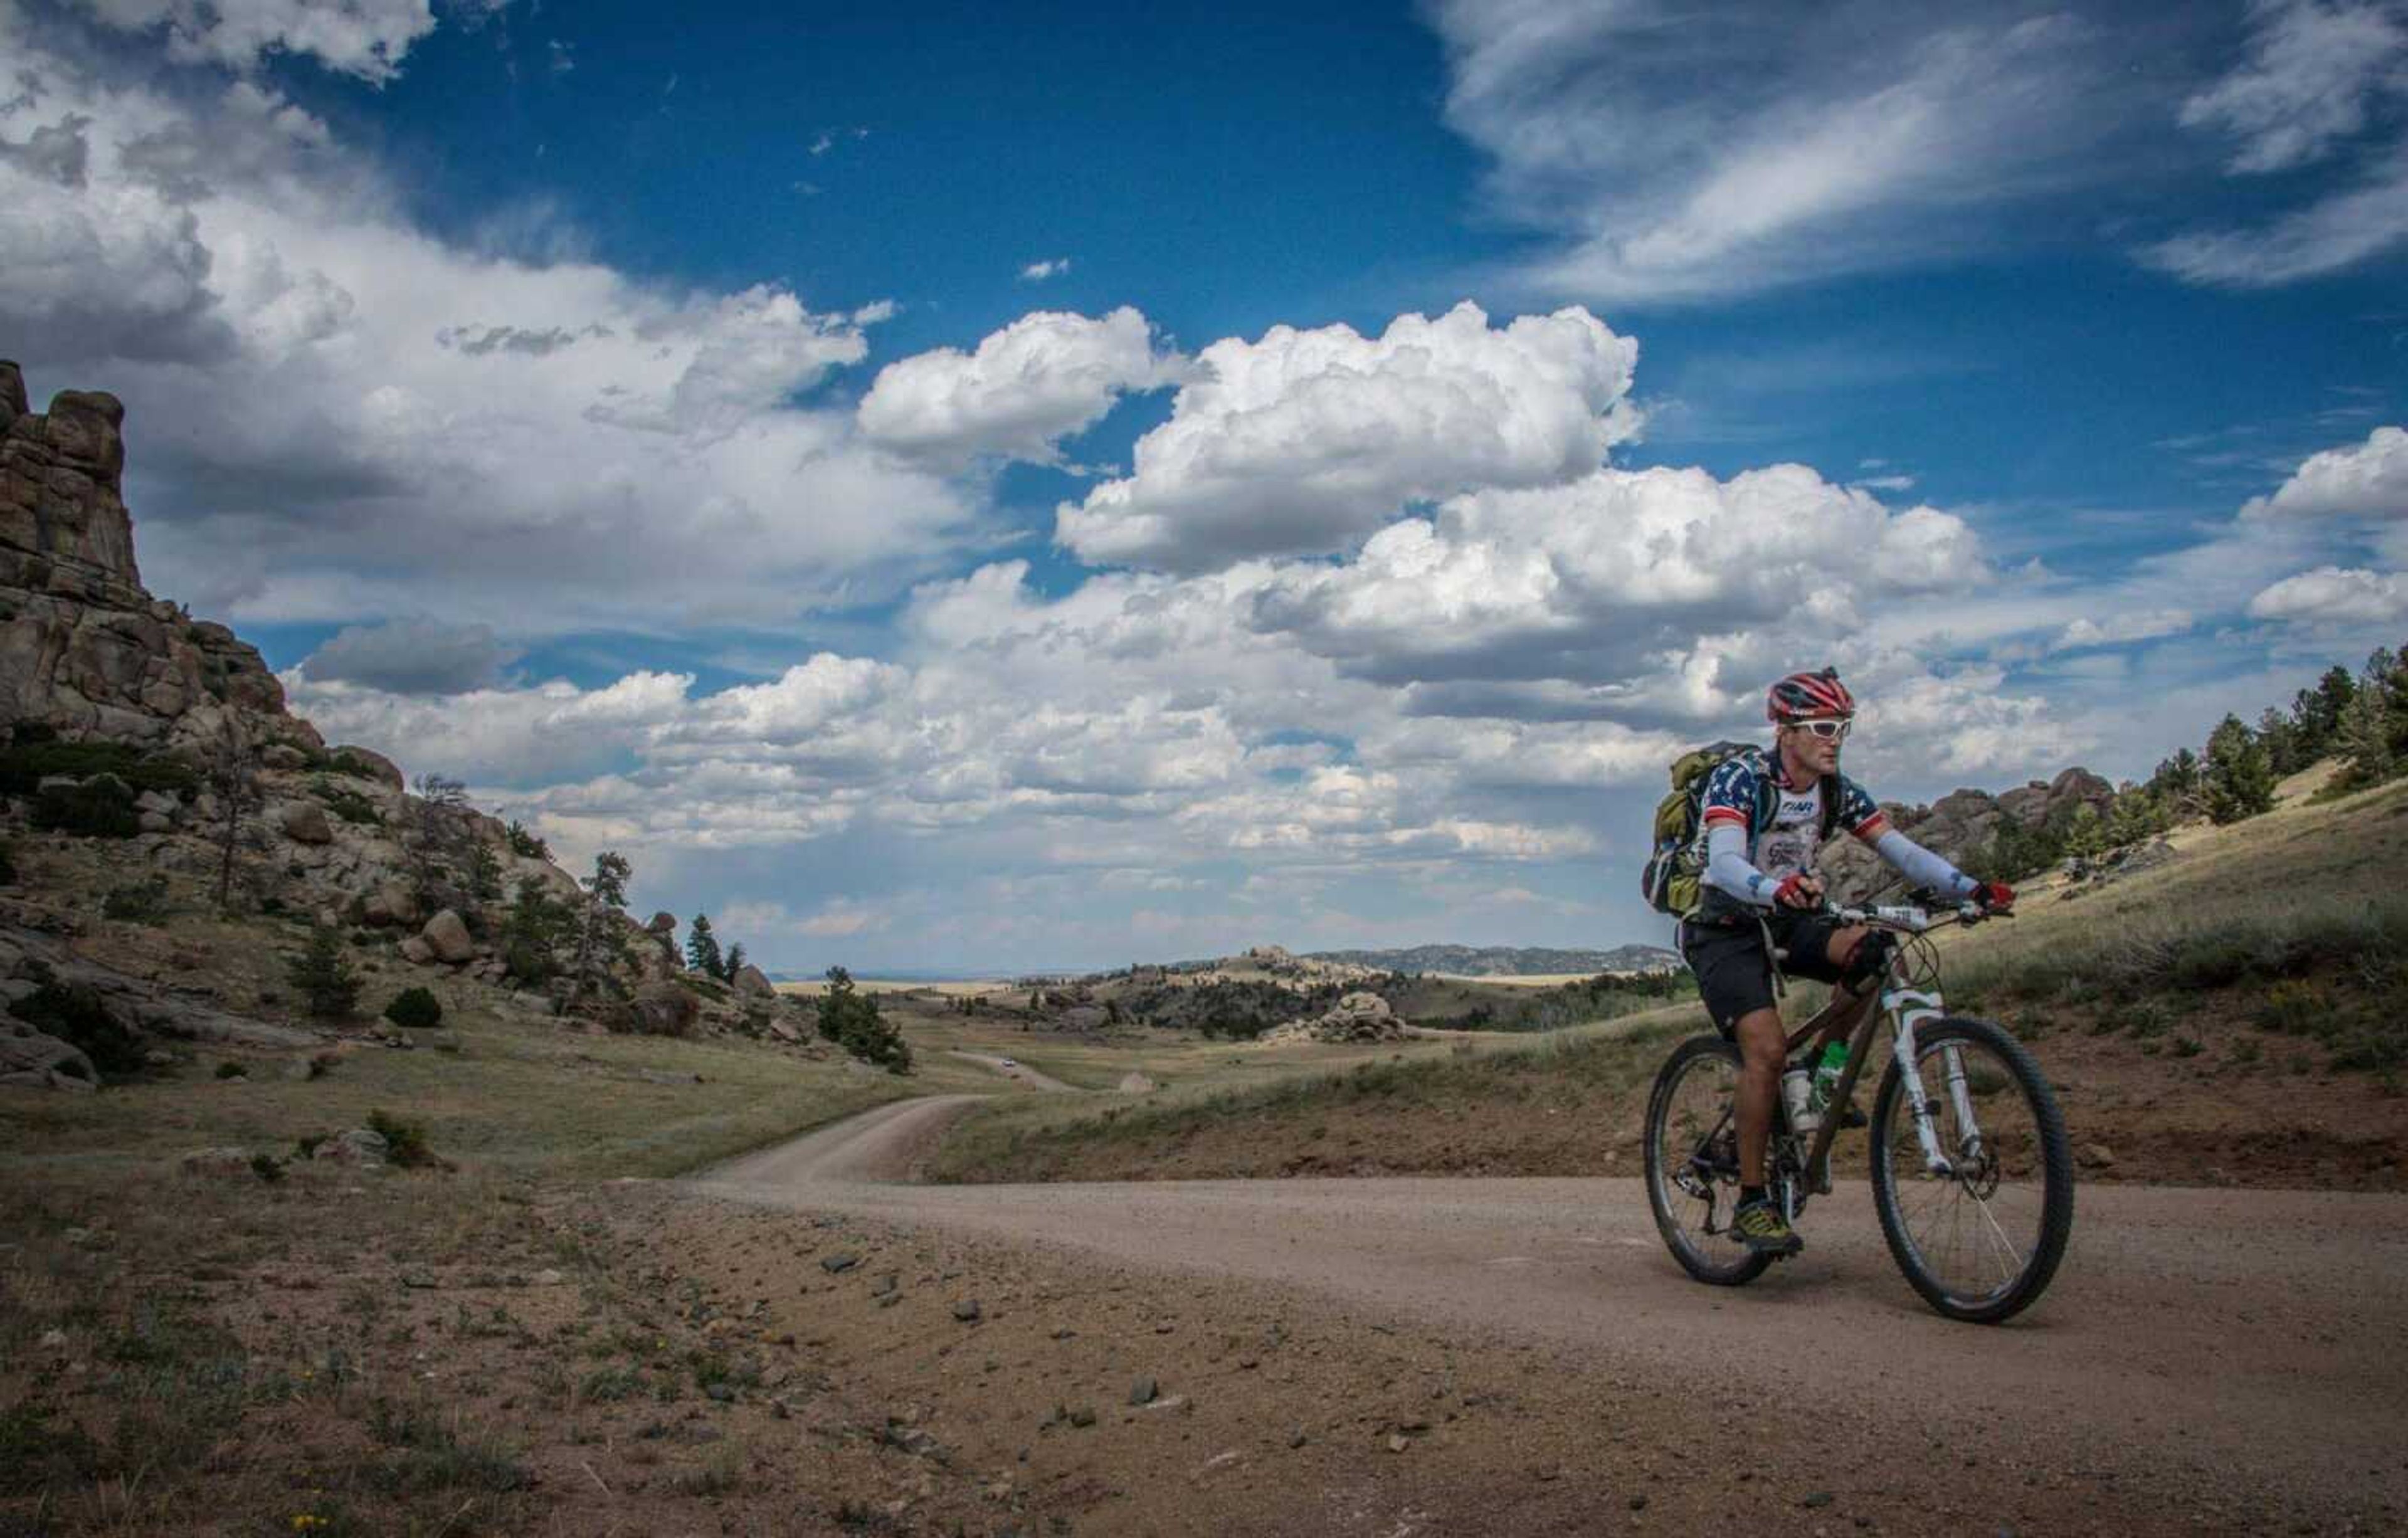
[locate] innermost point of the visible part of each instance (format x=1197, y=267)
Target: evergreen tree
x=733, y=963
x=2363, y=738
x=599, y=939
x=322, y=975
x=702, y=948
x=2315, y=713
x=532, y=931
x=2283, y=743
x=851, y=1020
x=2240, y=778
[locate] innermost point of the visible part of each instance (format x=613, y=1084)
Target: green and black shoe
x=1760, y=1227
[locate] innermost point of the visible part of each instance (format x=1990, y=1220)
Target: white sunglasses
x=1829, y=729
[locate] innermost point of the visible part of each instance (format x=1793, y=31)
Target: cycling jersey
x=1761, y=830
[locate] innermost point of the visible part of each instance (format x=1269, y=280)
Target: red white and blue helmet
x=1807, y=696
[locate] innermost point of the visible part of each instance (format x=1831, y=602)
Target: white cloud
x=2338, y=230
x=2367, y=481
x=2315, y=68
x=2319, y=74
x=336, y=414
x=362, y=38
x=1778, y=143
x=2118, y=629
x=1044, y=377
x=1037, y=272
x=1305, y=441
x=2331, y=595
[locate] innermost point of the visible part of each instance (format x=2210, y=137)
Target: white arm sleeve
x=1922, y=867
x=1729, y=870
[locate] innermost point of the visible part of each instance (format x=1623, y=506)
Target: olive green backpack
x=1674, y=881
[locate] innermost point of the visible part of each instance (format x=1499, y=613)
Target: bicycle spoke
x=1976, y=1229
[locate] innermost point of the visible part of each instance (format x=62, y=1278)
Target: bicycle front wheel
x=1693, y=1162
x=1980, y=1230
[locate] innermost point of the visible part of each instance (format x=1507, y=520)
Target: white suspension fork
x=1907, y=1009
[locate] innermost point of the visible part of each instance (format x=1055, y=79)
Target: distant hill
x=1506, y=961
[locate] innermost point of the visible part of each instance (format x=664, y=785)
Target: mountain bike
x=1973, y=1177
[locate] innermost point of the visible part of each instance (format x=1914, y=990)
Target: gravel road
x=2245, y=1343
x=1012, y=1070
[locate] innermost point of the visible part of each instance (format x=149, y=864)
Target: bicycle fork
x=1909, y=1009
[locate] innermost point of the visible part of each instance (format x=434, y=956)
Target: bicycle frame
x=1904, y=1008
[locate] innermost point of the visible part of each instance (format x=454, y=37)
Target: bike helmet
x=1802, y=696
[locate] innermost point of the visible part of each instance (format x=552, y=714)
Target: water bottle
x=1827, y=1078
x=1797, y=1098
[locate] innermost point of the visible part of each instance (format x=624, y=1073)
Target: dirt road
x=2240, y=1342
x=1011, y=1069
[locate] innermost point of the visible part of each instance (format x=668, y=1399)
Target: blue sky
x=941, y=489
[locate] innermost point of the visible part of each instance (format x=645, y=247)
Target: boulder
x=31, y=1060
x=375, y=766
x=283, y=756
x=390, y=904
x=305, y=823
x=753, y=981
x=416, y=951
x=663, y=923
x=1134, y=1083
x=359, y=1147
x=447, y=936
x=662, y=1009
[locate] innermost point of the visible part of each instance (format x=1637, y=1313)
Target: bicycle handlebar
x=1913, y=919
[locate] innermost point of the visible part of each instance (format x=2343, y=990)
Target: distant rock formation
x=84, y=649
x=1958, y=827
x=1356, y=1017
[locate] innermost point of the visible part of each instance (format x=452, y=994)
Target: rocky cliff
x=1959, y=826
x=167, y=826
x=84, y=649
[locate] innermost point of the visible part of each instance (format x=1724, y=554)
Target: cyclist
x=1763, y=816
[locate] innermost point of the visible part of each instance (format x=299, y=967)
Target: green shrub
x=24, y=765
x=526, y=845
x=404, y=1142
x=142, y=902
x=347, y=803
x=851, y=1020
x=233, y=1070
x=99, y=807
x=265, y=1166
x=75, y=1015
x=415, y=1009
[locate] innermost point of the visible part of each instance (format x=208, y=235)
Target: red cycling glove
x=1792, y=892
x=1993, y=896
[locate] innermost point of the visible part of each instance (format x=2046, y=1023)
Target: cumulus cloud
x=1610, y=581
x=1305, y=441
x=1782, y=143
x=1037, y=272
x=362, y=38
x=334, y=412
x=1046, y=377
x=412, y=657
x=2335, y=596
x=2367, y=481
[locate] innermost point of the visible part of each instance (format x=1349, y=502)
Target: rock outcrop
x=84, y=649
x=1959, y=826
x=1354, y=1018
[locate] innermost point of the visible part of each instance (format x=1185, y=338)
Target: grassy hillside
x=2180, y=1012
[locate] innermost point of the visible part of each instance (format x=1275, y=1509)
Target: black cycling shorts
x=1734, y=975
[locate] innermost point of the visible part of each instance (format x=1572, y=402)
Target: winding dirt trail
x=2243, y=1343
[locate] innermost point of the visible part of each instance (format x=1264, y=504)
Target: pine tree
x=2239, y=776
x=598, y=928
x=851, y=1020
x=702, y=948
x=322, y=975
x=733, y=963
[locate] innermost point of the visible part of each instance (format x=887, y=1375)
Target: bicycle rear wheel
x=1982, y=1239
x=1693, y=1162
